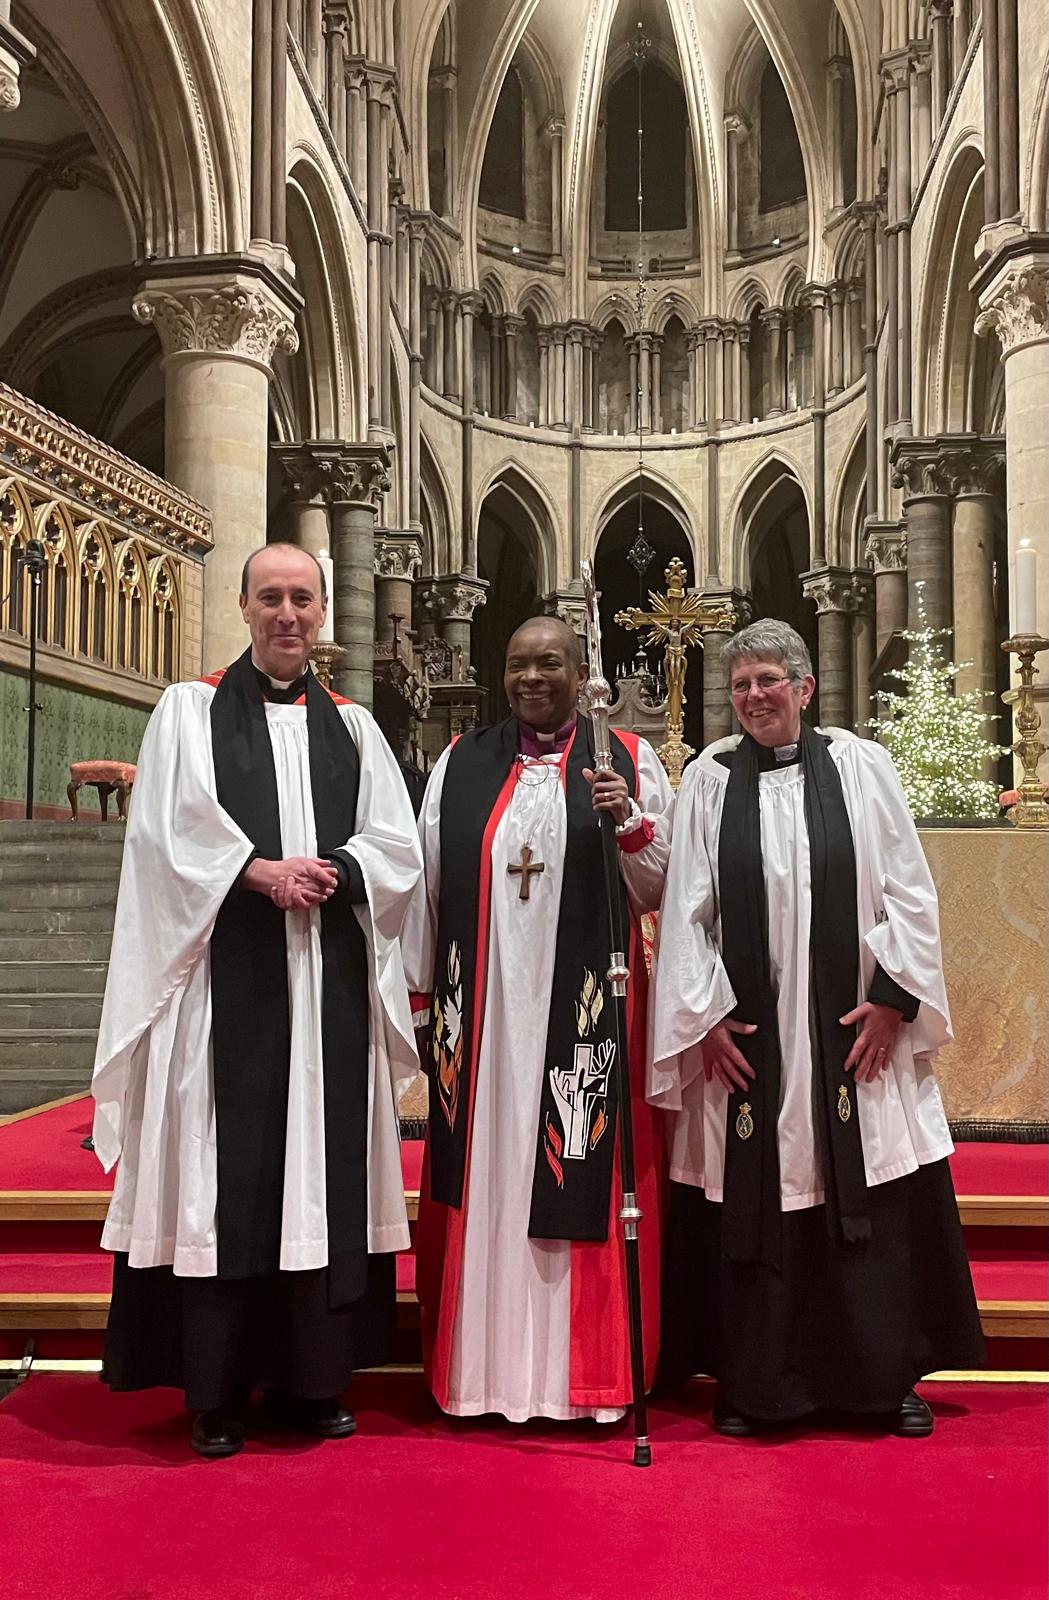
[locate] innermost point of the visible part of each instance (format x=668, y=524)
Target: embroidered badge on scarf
x=580, y=1092
x=448, y=1036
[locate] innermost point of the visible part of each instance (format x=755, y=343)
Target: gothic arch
x=438, y=521
x=847, y=506
x=542, y=521
x=775, y=468
x=952, y=358
x=656, y=488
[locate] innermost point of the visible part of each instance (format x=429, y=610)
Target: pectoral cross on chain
x=523, y=870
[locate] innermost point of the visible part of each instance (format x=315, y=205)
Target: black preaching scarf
x=251, y=1021
x=751, y=1217
x=575, y=1138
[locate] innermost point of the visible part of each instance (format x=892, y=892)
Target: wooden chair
x=108, y=777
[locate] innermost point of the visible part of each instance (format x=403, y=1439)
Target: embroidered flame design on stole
x=448, y=1036
x=580, y=1091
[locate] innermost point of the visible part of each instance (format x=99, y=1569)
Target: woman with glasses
x=815, y=1259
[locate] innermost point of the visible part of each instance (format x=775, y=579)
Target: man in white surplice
x=256, y=1034
x=519, y=1259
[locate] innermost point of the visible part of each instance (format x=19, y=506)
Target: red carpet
x=103, y=1500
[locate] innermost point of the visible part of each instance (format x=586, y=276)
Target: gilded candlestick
x=1031, y=810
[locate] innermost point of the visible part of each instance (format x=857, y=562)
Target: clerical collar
x=280, y=694
x=533, y=744
x=772, y=757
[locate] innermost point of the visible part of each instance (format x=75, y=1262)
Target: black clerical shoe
x=725, y=1419
x=215, y=1434
x=328, y=1419
x=914, y=1419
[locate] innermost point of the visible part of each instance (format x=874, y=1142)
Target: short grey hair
x=768, y=640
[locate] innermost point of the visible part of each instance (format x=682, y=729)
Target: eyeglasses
x=768, y=683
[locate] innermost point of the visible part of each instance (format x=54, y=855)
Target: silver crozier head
x=597, y=689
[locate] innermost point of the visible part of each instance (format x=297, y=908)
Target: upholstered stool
x=108, y=777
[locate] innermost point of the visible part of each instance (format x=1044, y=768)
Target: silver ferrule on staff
x=597, y=691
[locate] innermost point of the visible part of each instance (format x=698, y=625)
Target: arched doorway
x=621, y=586
x=776, y=522
x=508, y=559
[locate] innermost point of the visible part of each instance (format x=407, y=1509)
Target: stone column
x=992, y=88
x=511, y=328
x=470, y=307
x=544, y=377
x=924, y=126
x=554, y=128
x=1013, y=298
x=219, y=335
x=887, y=550
x=15, y=53
x=717, y=702
x=696, y=347
x=711, y=330
x=791, y=373
x=560, y=364
x=743, y=336
x=633, y=407
x=836, y=69
x=963, y=26
x=357, y=129
x=416, y=234
x=351, y=479
x=314, y=50
x=433, y=366
x=398, y=563
x=978, y=473
x=940, y=18
x=336, y=27
x=448, y=80
x=450, y=317
x=1008, y=108
x=862, y=649
x=837, y=338
x=868, y=215
x=853, y=366
x=731, y=355
x=773, y=319
x=656, y=381
x=261, y=111
x=832, y=590
x=921, y=473
x=454, y=599
x=737, y=127
x=644, y=381
x=307, y=513
x=817, y=299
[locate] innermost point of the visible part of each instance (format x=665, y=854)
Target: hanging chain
x=641, y=552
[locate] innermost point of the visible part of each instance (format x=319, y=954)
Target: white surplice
x=154, y=1098
x=512, y=1328
x=901, y=1116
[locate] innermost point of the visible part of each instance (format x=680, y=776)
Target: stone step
x=44, y=1013
x=59, y=866
x=42, y=895
x=35, y=1067
x=52, y=977
x=18, y=831
x=27, y=946
x=56, y=919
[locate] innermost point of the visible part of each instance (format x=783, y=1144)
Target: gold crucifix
x=676, y=621
x=523, y=869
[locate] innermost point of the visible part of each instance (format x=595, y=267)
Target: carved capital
x=737, y=125
x=886, y=547
x=339, y=474
x=977, y=468
x=398, y=554
x=471, y=303
x=817, y=296
x=570, y=606
x=1016, y=308
x=455, y=598
x=832, y=588
x=9, y=95
x=919, y=469
x=235, y=318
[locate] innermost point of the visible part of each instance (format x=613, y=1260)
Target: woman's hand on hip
x=723, y=1060
x=877, y=1028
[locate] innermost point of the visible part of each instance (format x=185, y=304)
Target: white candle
x=1025, y=590
x=327, y=566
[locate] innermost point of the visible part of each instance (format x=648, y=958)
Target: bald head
x=544, y=673
x=551, y=630
x=283, y=602
x=285, y=552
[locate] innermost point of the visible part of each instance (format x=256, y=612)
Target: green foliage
x=938, y=739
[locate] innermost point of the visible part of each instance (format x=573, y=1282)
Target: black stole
x=251, y=1021
x=575, y=1139
x=751, y=1216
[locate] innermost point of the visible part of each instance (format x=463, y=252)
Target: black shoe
x=914, y=1419
x=725, y=1419
x=215, y=1434
x=328, y=1419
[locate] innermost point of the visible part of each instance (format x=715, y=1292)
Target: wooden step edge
x=38, y=1111
x=54, y=1205
x=1014, y=1319
x=29, y=1311
x=91, y=1205
x=1004, y=1210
